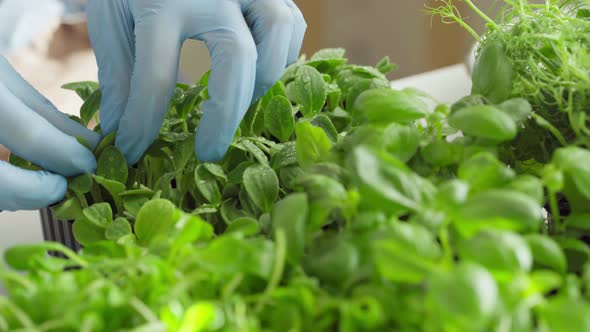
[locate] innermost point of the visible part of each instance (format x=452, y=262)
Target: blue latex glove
x=137, y=45
x=32, y=128
x=21, y=21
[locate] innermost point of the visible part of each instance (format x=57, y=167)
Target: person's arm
x=33, y=129
x=137, y=46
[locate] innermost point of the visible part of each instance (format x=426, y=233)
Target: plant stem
x=68, y=252
x=82, y=199
x=481, y=14
x=19, y=314
x=143, y=310
x=279, y=266
x=555, y=217
x=447, y=250
x=547, y=125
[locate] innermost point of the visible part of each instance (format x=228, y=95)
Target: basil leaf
x=99, y=214
x=312, y=144
x=290, y=215
x=484, y=121
x=262, y=185
x=111, y=165
x=155, y=220
x=308, y=90
x=278, y=118
x=383, y=106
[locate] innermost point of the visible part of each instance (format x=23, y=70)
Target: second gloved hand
x=137, y=45
x=32, y=128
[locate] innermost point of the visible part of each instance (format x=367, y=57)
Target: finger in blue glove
x=33, y=129
x=137, y=46
x=29, y=190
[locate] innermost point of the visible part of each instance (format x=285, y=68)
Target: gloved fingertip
x=56, y=190
x=83, y=162
x=259, y=92
x=52, y=188
x=94, y=139
x=29, y=190
x=130, y=150
x=209, y=153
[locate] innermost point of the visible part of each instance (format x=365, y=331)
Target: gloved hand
x=32, y=128
x=137, y=45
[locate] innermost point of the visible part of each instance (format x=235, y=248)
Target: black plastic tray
x=58, y=230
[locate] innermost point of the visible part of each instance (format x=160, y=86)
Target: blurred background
x=371, y=29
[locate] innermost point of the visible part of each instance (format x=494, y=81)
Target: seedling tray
x=58, y=230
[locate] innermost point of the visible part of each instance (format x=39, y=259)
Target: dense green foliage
x=538, y=52
x=342, y=205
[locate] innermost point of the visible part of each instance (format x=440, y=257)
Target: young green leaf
x=501, y=209
x=401, y=140
x=82, y=89
x=107, y=141
x=286, y=156
x=406, y=253
x=464, y=298
x=254, y=150
x=24, y=257
x=381, y=107
x=387, y=184
x=118, y=229
x=278, y=118
x=70, y=209
x=278, y=89
x=114, y=188
x=308, y=90
x=323, y=190
x=87, y=232
x=519, y=109
x=546, y=252
x=333, y=260
x=100, y=214
x=484, y=121
x=215, y=170
x=529, y=185
x=483, y=171
x=237, y=174
x=442, y=153
x=328, y=58
x=90, y=107
x=493, y=73
x=312, y=144
x=262, y=185
x=112, y=165
x=575, y=163
x=80, y=184
x=498, y=251
x=207, y=185
x=385, y=66
x=564, y=315
x=324, y=122
x=155, y=219
x=290, y=215
x=245, y=226
x=184, y=153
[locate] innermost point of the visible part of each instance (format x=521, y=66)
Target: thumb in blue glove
x=33, y=129
x=137, y=45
